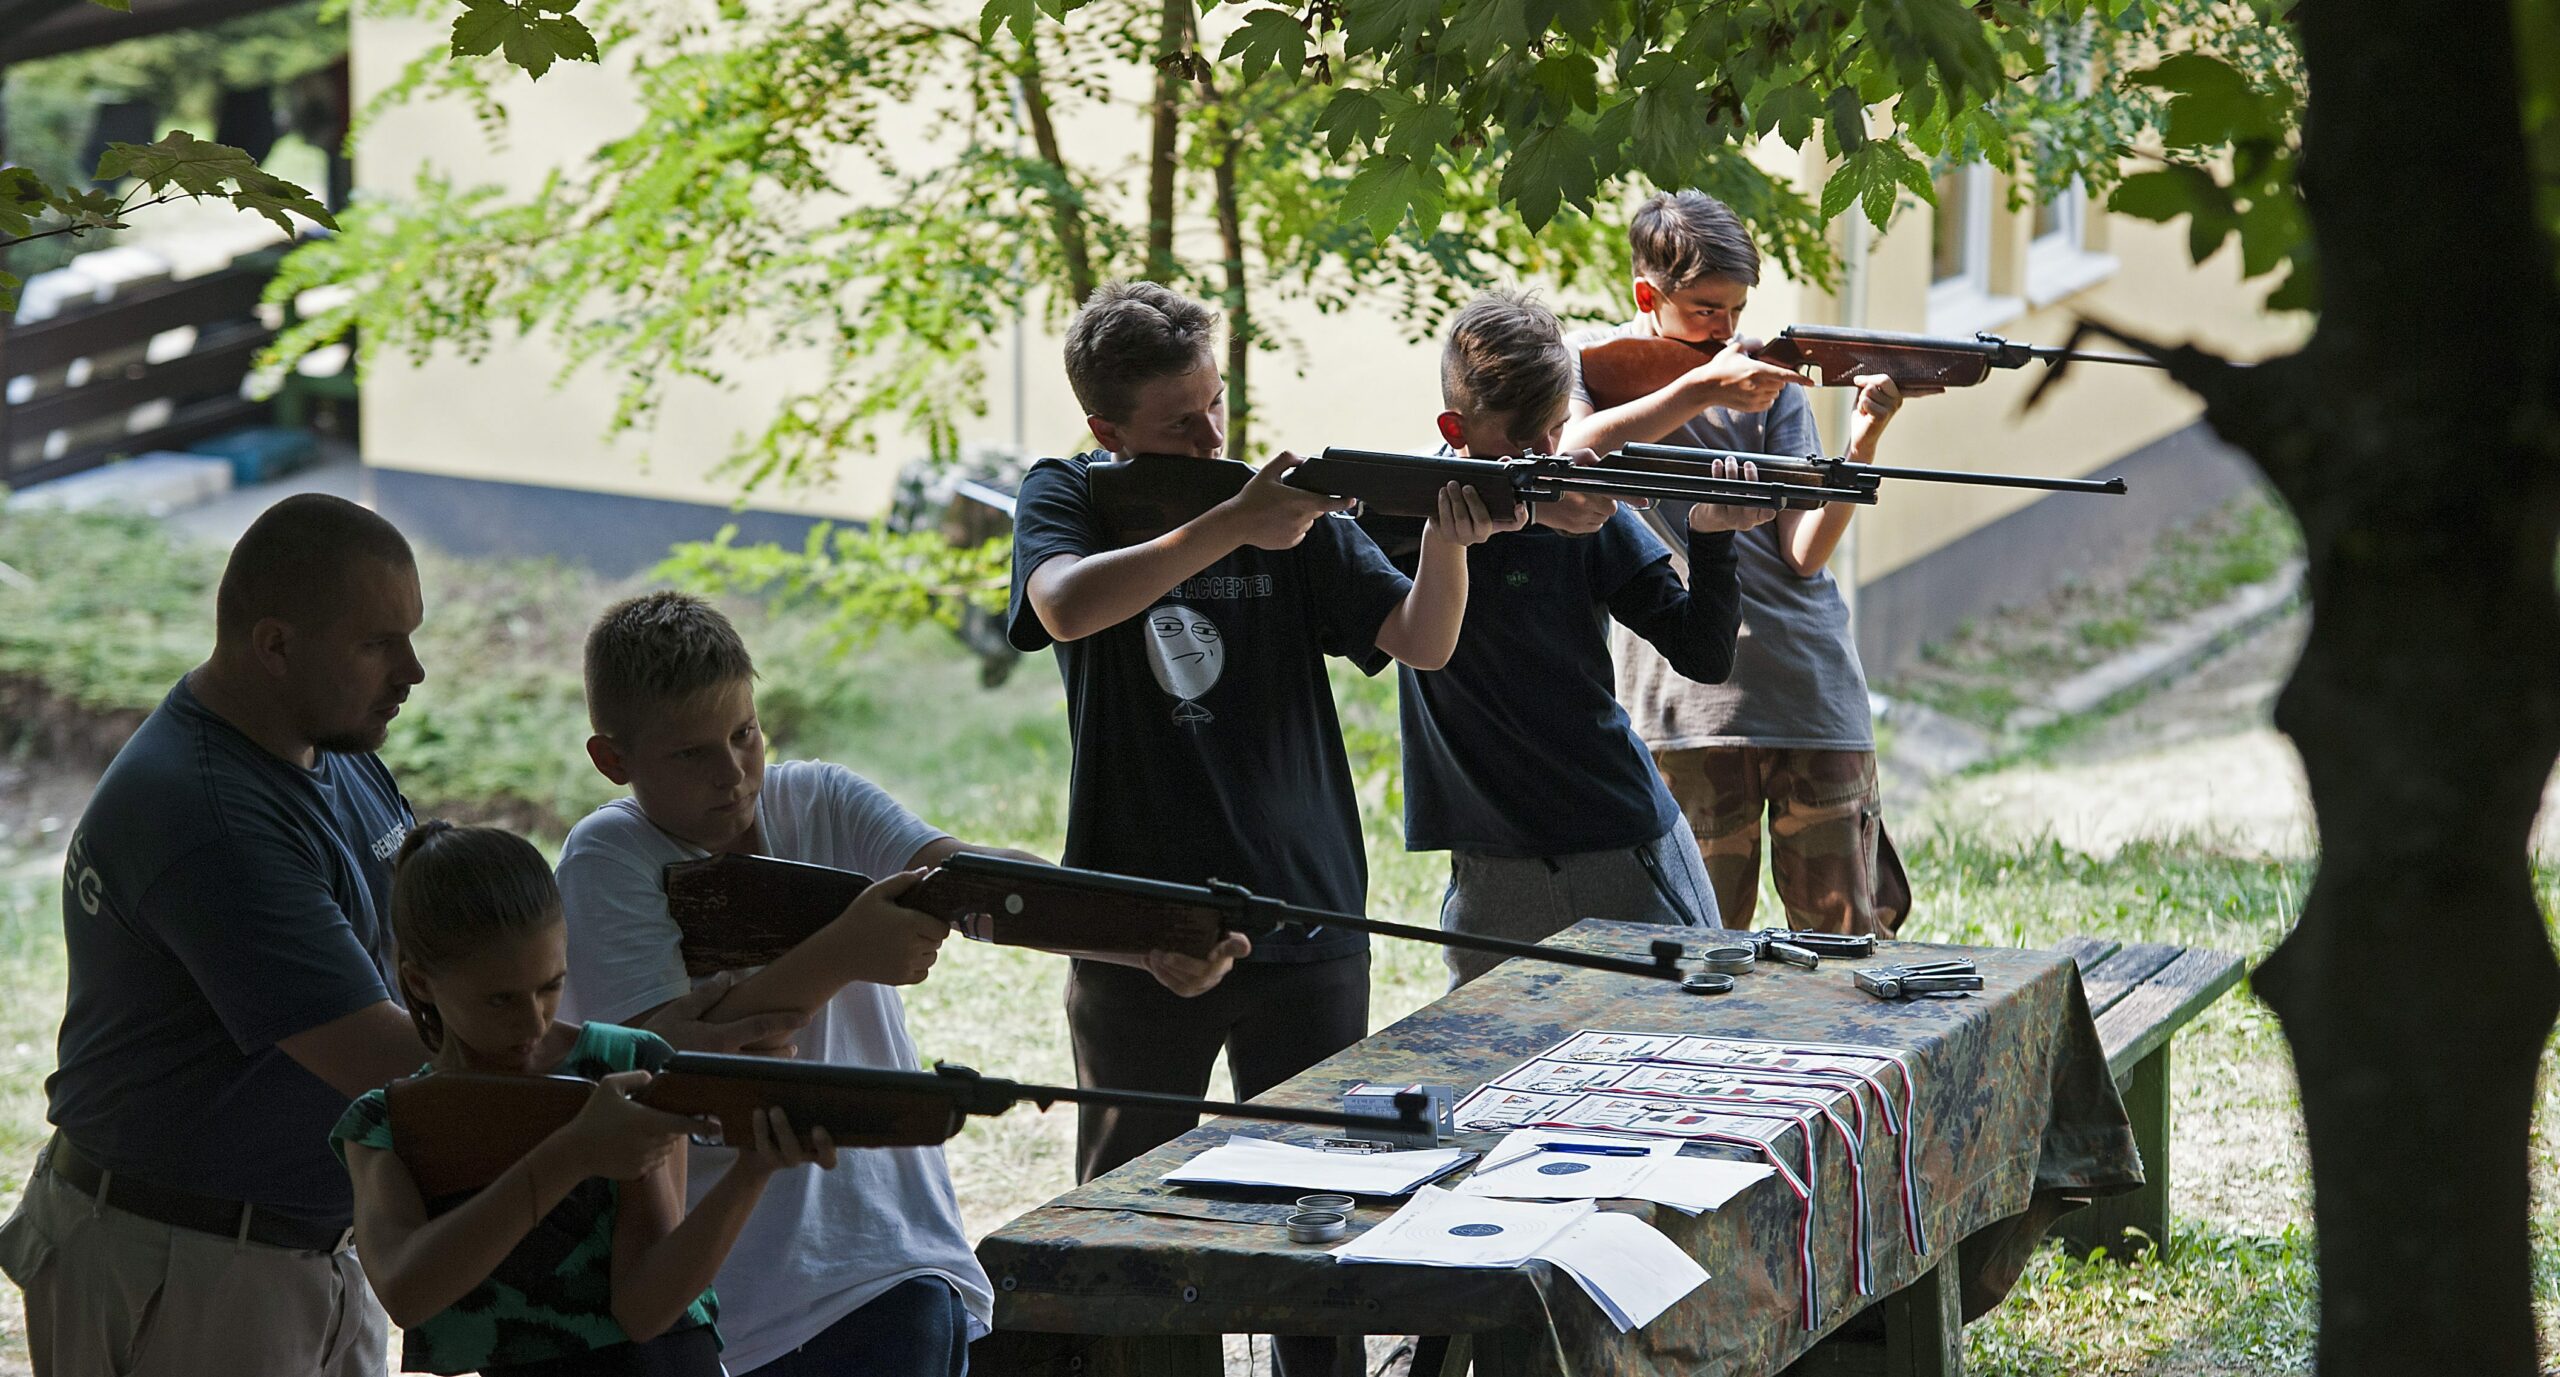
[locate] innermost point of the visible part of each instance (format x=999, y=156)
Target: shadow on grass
x=2226, y=1302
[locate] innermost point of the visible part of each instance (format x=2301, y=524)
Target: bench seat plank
x=2144, y=1016
x=2088, y=951
x=2119, y=975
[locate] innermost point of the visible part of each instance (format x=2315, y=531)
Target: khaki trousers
x=1834, y=867
x=112, y=1294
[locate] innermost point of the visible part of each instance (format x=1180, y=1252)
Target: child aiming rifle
x=580, y=1260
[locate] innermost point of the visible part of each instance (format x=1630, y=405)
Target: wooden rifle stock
x=1024, y=903
x=1619, y=371
x=456, y=1130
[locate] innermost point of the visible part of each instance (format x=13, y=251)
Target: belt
x=184, y=1209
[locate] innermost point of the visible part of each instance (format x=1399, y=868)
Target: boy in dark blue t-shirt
x=1518, y=759
x=1206, y=745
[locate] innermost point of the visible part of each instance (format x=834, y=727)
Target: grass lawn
x=495, y=732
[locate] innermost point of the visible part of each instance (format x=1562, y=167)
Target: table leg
x=1924, y=1323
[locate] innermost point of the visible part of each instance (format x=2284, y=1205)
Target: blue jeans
x=916, y=1328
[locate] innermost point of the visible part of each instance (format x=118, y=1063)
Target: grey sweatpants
x=1532, y=898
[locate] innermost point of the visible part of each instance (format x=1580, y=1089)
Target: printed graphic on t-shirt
x=1186, y=651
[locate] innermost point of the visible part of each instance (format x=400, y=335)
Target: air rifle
x=1853, y=482
x=1142, y=496
x=736, y=911
x=1619, y=371
x=457, y=1130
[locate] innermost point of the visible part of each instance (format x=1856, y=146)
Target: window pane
x=1950, y=227
x=2050, y=218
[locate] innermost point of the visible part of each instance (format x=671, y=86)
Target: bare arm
x=1078, y=595
x=874, y=939
x=1809, y=538
x=1732, y=379
x=357, y=1052
x=419, y=1266
x=1422, y=630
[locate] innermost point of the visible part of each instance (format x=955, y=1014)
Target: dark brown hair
x=292, y=562
x=1130, y=333
x=1505, y=355
x=456, y=892
x=655, y=649
x=1681, y=236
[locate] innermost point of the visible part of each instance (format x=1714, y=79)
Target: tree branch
x=1164, y=149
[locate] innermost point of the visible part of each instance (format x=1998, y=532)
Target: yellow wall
x=1363, y=384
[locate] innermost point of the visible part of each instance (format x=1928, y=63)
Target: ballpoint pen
x=1582, y=1149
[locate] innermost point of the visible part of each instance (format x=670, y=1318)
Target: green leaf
x=1380, y=193
x=1352, y=118
x=2166, y=194
x=1843, y=185
x=1387, y=25
x=23, y=196
x=180, y=160
x=2271, y=231
x=1548, y=169
x=1790, y=109
x=1268, y=38
x=1571, y=81
x=119, y=6
x=1021, y=15
x=1848, y=118
x=2193, y=74
x=1421, y=132
x=1877, y=198
x=9, y=290
x=482, y=26
x=274, y=197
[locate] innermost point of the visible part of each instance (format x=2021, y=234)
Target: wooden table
x=2014, y=1106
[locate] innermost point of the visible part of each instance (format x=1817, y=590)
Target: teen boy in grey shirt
x=1787, y=734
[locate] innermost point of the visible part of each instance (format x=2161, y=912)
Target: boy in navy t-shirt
x=1518, y=760
x=1206, y=745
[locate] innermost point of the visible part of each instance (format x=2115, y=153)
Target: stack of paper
x=1525, y=1168
x=1625, y=1265
x=1246, y=1161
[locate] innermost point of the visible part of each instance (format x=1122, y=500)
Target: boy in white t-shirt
x=864, y=1269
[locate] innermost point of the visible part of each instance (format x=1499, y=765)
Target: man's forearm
x=1076, y=596
x=1644, y=421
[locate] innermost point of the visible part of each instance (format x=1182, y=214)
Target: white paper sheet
x=1249, y=1161
x=1521, y=1169
x=1625, y=1265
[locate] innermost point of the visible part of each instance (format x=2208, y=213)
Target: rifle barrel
x=1238, y=905
x=1286, y=1114
x=2051, y=354
x=1839, y=470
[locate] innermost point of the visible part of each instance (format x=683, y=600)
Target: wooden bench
x=2141, y=993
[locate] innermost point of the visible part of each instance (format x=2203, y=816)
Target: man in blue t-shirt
x=223, y=906
x=1206, y=745
x=1518, y=759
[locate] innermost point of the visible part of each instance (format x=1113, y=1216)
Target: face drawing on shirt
x=1186, y=651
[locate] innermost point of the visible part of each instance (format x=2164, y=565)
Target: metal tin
x=1318, y=1226
x=1331, y=1204
x=1707, y=982
x=1727, y=960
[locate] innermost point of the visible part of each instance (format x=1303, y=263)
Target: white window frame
x=1964, y=303
x=2059, y=263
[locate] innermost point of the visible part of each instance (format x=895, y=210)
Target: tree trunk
x=2413, y=437
x=1239, y=307
x=1164, y=150
x=1064, y=210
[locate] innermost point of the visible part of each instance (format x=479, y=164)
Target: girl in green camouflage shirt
x=579, y=1260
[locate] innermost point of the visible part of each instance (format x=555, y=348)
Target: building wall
x=511, y=418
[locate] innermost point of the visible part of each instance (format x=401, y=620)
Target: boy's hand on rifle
x=1736, y=381
x=1463, y=520
x=616, y=1137
x=1879, y=399
x=1581, y=513
x=1271, y=515
x=680, y=1021
x=1718, y=516
x=778, y=1146
x=1191, y=976
x=898, y=945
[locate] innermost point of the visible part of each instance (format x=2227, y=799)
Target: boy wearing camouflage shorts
x=1788, y=734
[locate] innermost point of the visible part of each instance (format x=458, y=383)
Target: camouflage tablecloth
x=2014, y=1106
